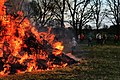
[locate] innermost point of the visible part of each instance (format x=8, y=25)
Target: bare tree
x=113, y=13
x=60, y=8
x=41, y=11
x=83, y=14
x=72, y=8
x=98, y=14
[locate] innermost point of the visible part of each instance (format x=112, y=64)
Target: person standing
x=82, y=37
x=99, y=38
x=116, y=38
x=90, y=39
x=74, y=43
x=104, y=38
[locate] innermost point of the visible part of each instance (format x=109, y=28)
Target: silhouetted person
x=104, y=39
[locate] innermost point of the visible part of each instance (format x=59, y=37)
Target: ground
x=95, y=63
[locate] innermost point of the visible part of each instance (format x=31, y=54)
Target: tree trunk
x=75, y=28
x=62, y=13
x=62, y=20
x=80, y=27
x=118, y=30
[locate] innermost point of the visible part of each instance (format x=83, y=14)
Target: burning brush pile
x=24, y=49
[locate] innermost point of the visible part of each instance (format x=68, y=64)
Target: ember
x=24, y=49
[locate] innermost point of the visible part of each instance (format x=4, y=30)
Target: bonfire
x=24, y=49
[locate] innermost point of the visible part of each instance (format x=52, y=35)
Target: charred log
x=1, y=64
x=17, y=66
x=42, y=64
x=62, y=58
x=67, y=59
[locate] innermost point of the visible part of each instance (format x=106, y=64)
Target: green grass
x=101, y=63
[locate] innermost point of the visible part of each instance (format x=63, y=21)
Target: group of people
x=99, y=39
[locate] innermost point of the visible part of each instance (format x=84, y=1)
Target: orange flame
x=2, y=7
x=31, y=66
x=58, y=48
x=25, y=56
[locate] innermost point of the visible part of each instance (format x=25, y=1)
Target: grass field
x=101, y=63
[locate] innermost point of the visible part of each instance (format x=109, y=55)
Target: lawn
x=101, y=63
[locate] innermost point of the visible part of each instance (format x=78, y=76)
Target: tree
x=98, y=13
x=44, y=10
x=60, y=5
x=113, y=13
x=83, y=14
x=72, y=5
x=41, y=11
